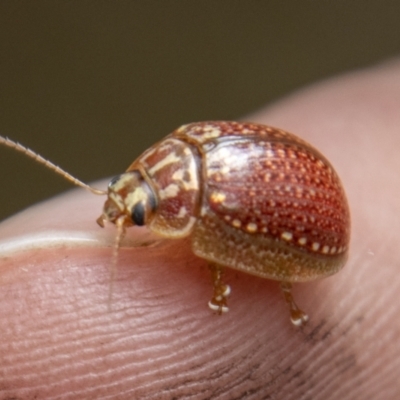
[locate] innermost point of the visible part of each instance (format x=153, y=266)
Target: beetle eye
x=114, y=180
x=138, y=214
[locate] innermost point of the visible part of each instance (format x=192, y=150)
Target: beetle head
x=130, y=200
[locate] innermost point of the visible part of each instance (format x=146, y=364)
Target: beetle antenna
x=37, y=157
x=120, y=224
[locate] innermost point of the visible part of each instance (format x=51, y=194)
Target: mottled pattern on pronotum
x=251, y=197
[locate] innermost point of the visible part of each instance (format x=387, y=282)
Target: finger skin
x=158, y=339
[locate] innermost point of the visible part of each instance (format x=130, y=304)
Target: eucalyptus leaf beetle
x=251, y=197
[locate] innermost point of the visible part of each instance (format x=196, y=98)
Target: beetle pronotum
x=251, y=197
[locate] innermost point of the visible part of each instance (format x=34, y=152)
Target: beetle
x=251, y=197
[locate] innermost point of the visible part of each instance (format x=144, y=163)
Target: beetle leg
x=218, y=302
x=297, y=316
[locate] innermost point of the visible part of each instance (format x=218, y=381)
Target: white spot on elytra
x=302, y=241
x=325, y=249
x=218, y=197
x=315, y=246
x=251, y=227
x=236, y=223
x=288, y=236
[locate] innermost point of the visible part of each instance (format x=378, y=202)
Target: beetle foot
x=297, y=316
x=219, y=302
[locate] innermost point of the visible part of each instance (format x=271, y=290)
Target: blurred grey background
x=91, y=84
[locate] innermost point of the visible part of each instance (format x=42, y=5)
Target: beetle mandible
x=251, y=197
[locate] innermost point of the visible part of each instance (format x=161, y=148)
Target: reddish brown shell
x=271, y=205
x=251, y=197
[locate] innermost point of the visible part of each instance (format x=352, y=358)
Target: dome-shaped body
x=251, y=197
